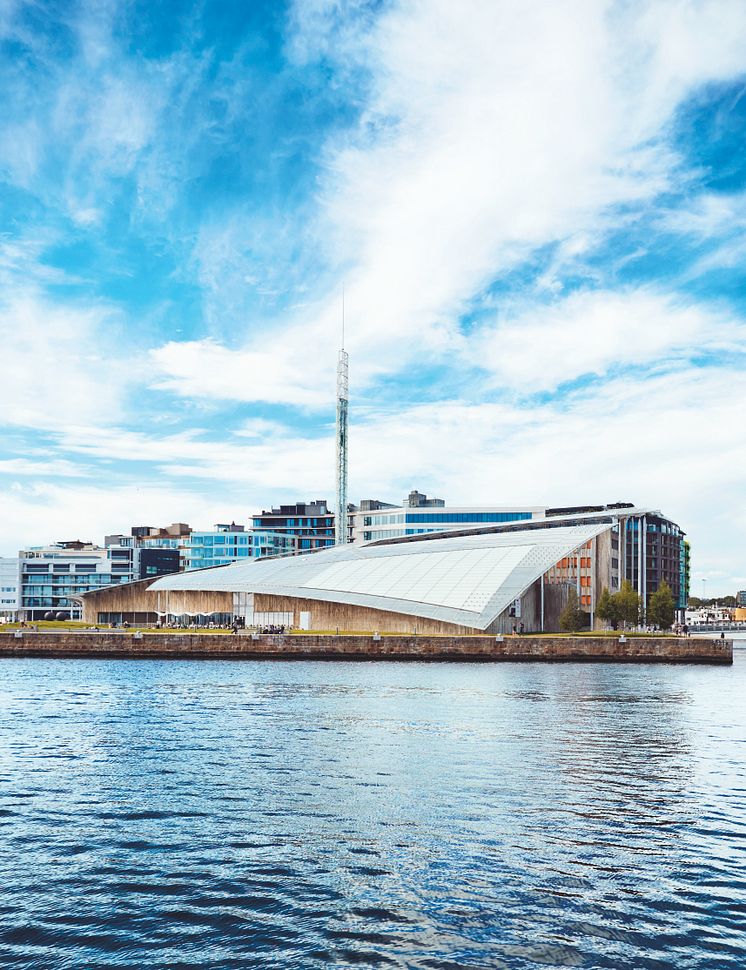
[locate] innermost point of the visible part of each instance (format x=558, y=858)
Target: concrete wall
x=314, y=646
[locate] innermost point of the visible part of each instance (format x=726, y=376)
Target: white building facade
x=52, y=578
x=393, y=522
x=10, y=586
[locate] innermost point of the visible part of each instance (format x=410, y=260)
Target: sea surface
x=315, y=814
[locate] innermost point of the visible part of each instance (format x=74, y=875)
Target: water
x=244, y=814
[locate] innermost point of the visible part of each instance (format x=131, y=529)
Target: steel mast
x=343, y=369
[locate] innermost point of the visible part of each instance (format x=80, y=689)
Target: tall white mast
x=343, y=369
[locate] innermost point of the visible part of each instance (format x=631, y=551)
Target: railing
x=718, y=627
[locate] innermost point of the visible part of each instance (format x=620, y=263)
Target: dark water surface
x=256, y=814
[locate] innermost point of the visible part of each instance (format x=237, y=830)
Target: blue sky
x=537, y=212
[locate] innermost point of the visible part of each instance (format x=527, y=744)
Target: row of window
x=444, y=517
x=90, y=579
x=236, y=540
x=467, y=516
x=61, y=571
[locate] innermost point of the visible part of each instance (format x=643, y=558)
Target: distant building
x=655, y=551
x=418, y=500
x=710, y=614
x=311, y=522
x=229, y=543
x=10, y=588
x=158, y=550
x=173, y=531
x=52, y=578
x=157, y=562
x=382, y=521
x=741, y=597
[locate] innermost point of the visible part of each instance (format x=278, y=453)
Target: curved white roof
x=467, y=580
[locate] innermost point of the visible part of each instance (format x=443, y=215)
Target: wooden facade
x=136, y=603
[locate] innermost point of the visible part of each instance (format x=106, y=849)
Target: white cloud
x=57, y=362
x=708, y=215
x=590, y=332
x=277, y=373
x=666, y=442
x=48, y=512
x=33, y=468
x=488, y=130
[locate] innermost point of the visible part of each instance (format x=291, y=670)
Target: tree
x=627, y=603
x=607, y=609
x=662, y=608
x=572, y=618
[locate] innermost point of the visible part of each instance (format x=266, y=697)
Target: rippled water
x=244, y=814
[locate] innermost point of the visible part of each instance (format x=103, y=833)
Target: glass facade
x=664, y=555
x=462, y=517
x=51, y=579
x=203, y=550
x=431, y=521
x=312, y=531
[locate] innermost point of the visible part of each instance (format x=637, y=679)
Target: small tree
x=627, y=604
x=662, y=608
x=572, y=618
x=607, y=609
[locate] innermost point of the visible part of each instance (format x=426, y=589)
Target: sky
x=536, y=210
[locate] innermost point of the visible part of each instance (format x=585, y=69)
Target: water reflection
x=406, y=815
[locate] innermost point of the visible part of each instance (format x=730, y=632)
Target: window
x=462, y=517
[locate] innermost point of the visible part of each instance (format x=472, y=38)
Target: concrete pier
x=111, y=644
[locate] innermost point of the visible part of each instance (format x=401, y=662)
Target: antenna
x=340, y=529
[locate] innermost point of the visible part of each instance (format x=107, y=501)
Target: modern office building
x=655, y=551
x=311, y=522
x=484, y=577
x=10, y=587
x=157, y=562
x=144, y=560
x=229, y=543
x=53, y=578
x=419, y=515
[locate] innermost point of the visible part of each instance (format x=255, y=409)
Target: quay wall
x=356, y=647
